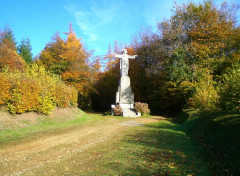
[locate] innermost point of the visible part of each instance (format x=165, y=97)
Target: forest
x=192, y=60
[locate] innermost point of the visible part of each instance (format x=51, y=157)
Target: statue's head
x=124, y=51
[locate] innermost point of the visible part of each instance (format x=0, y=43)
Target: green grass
x=155, y=149
x=46, y=126
x=218, y=134
x=203, y=145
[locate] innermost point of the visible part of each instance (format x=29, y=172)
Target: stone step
x=127, y=112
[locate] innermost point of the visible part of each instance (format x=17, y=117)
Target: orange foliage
x=131, y=51
x=78, y=79
x=68, y=59
x=10, y=58
x=209, y=36
x=73, y=49
x=64, y=96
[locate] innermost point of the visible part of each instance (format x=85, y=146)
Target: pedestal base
x=125, y=98
x=123, y=105
x=127, y=110
x=124, y=94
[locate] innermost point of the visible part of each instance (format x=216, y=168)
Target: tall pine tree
x=24, y=50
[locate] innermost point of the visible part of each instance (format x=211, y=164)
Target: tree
x=68, y=58
x=8, y=53
x=51, y=56
x=8, y=38
x=24, y=50
x=171, y=63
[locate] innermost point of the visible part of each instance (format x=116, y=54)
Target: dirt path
x=23, y=158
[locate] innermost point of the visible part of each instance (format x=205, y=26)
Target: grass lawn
x=159, y=148
x=47, y=126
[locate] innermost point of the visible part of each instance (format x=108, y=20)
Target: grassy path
x=106, y=146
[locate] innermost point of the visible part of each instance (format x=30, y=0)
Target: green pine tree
x=24, y=51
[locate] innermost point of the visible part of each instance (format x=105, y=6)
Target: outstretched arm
x=132, y=57
x=117, y=55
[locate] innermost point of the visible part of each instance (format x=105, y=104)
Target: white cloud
x=91, y=20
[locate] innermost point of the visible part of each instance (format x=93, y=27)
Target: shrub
x=74, y=96
x=34, y=89
x=142, y=108
x=65, y=96
x=24, y=96
x=206, y=97
x=46, y=103
x=117, y=110
x=230, y=91
x=4, y=89
x=62, y=95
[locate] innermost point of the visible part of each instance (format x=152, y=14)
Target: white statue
x=124, y=64
x=124, y=95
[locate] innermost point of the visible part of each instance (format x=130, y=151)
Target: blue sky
x=98, y=22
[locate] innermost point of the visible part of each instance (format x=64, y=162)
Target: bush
x=117, y=110
x=206, y=97
x=142, y=108
x=65, y=96
x=24, y=96
x=4, y=89
x=230, y=91
x=34, y=89
x=46, y=103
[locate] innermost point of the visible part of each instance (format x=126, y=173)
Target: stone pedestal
x=124, y=94
x=125, y=97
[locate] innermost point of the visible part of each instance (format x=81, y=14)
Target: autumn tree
x=8, y=53
x=197, y=43
x=78, y=72
x=50, y=57
x=68, y=58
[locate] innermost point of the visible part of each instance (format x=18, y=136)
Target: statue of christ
x=124, y=63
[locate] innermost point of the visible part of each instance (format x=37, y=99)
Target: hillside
x=217, y=135
x=17, y=121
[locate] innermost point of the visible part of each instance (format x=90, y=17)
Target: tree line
x=192, y=60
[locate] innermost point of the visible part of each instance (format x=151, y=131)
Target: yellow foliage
x=65, y=96
x=24, y=96
x=4, y=89
x=35, y=89
x=46, y=103
x=206, y=97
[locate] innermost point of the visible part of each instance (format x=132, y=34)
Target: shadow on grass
x=218, y=134
x=161, y=149
x=158, y=149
